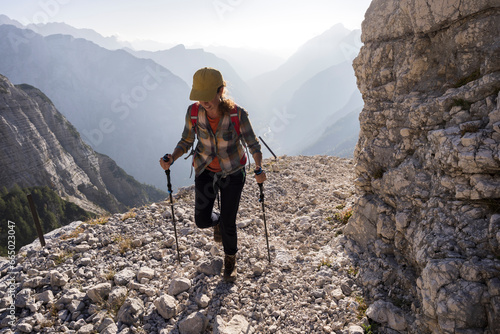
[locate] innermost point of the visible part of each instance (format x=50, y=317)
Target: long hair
x=227, y=104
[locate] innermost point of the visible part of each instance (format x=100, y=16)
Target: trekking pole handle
x=166, y=158
x=169, y=185
x=261, y=187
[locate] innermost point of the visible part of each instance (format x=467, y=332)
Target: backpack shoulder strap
x=194, y=114
x=235, y=119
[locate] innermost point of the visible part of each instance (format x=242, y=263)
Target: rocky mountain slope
x=40, y=147
x=427, y=164
x=121, y=274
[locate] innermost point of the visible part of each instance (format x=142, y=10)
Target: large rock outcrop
x=427, y=163
x=41, y=148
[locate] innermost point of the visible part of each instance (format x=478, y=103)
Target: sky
x=278, y=26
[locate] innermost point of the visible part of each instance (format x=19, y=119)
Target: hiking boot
x=217, y=234
x=230, y=268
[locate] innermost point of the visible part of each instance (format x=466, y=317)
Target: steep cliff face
x=40, y=147
x=428, y=165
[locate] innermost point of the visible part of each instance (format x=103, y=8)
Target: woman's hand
x=260, y=175
x=166, y=164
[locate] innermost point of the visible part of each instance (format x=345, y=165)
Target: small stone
x=104, y=324
x=58, y=279
x=87, y=329
x=75, y=306
x=355, y=329
x=145, y=272
x=99, y=292
x=346, y=289
x=338, y=294
x=22, y=298
x=111, y=329
x=211, y=268
x=238, y=324
x=131, y=311
x=245, y=223
x=195, y=323
x=70, y=295
x=124, y=276
x=179, y=285
x=158, y=255
x=117, y=295
x=82, y=248
x=166, y=306
x=25, y=328
x=258, y=268
x=63, y=315
x=203, y=301
x=33, y=283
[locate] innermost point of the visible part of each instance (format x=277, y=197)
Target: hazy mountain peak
x=4, y=19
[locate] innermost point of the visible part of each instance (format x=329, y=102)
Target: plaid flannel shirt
x=224, y=144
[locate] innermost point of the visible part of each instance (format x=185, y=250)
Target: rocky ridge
x=120, y=274
x=428, y=164
x=41, y=148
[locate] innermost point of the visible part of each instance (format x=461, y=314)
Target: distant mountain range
x=127, y=108
x=312, y=90
x=130, y=104
x=40, y=147
x=185, y=62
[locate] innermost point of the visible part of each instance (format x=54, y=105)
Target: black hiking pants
x=206, y=186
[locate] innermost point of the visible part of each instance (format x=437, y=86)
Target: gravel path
x=125, y=277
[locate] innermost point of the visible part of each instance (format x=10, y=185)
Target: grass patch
x=47, y=324
x=370, y=329
x=325, y=263
x=53, y=311
x=99, y=221
x=73, y=234
x=352, y=271
x=116, y=305
x=62, y=257
x=344, y=215
x=124, y=244
x=362, y=306
x=112, y=308
x=128, y=215
x=110, y=275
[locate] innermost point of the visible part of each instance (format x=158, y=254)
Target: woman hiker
x=219, y=158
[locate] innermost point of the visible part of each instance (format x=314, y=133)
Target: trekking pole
x=268, y=147
x=261, y=199
x=169, y=186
